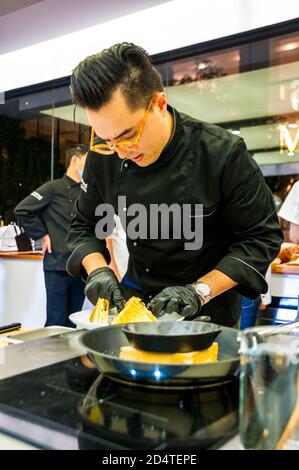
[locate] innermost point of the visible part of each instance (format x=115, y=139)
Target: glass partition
x=36, y=129
x=252, y=90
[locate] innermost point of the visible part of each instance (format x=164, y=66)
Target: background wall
x=22, y=292
x=162, y=27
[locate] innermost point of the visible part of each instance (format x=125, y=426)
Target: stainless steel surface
x=266, y=330
x=30, y=355
x=104, y=345
x=42, y=332
x=40, y=435
x=6, y=339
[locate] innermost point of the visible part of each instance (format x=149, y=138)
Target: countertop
x=40, y=352
x=35, y=255
x=285, y=268
x=41, y=347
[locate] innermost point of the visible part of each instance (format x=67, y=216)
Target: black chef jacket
x=202, y=163
x=49, y=210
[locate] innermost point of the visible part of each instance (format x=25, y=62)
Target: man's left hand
x=46, y=244
x=181, y=299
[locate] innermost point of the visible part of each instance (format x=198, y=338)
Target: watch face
x=203, y=289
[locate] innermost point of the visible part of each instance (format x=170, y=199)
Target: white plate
x=81, y=320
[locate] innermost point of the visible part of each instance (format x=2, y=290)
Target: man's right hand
x=103, y=283
x=46, y=244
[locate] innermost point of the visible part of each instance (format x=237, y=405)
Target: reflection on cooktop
x=104, y=414
x=160, y=418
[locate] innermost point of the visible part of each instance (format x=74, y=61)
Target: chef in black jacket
x=46, y=214
x=149, y=153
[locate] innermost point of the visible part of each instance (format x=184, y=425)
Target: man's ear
x=161, y=101
x=73, y=160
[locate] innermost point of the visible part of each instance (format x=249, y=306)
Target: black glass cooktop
x=70, y=406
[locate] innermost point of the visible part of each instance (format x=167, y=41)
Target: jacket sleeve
x=28, y=212
x=249, y=214
x=82, y=238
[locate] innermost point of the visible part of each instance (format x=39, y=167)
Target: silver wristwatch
x=203, y=291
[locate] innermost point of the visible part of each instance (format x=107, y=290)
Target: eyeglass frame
x=123, y=144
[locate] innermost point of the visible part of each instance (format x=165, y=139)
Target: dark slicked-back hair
x=79, y=150
x=123, y=66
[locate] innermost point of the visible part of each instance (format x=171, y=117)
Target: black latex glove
x=103, y=283
x=180, y=299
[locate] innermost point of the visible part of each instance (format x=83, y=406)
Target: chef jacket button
x=71, y=200
x=135, y=244
x=125, y=209
x=126, y=165
x=147, y=270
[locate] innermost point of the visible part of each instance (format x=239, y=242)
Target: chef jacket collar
x=170, y=148
x=70, y=181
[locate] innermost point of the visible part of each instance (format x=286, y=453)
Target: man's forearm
x=112, y=264
x=218, y=282
x=93, y=261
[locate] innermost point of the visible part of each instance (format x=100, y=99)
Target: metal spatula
x=174, y=316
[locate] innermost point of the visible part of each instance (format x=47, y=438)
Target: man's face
x=115, y=122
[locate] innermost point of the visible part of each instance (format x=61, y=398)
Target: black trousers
x=65, y=295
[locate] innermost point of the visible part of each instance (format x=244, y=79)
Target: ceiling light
x=202, y=65
x=289, y=47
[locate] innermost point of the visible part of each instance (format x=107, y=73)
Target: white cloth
x=8, y=237
x=119, y=246
x=267, y=297
x=290, y=208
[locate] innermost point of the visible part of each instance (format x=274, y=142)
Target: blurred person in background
x=46, y=214
x=289, y=211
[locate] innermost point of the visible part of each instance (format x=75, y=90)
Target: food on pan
x=100, y=312
x=134, y=311
x=129, y=353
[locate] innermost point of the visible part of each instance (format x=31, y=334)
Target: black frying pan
x=171, y=337
x=103, y=345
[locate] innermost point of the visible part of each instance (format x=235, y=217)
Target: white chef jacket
x=290, y=208
x=119, y=246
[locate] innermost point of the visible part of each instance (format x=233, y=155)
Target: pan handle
x=258, y=334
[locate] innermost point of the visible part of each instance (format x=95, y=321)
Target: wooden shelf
x=284, y=268
x=35, y=255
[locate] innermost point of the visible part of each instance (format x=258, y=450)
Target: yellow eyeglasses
x=106, y=149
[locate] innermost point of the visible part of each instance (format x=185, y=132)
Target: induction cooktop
x=71, y=406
